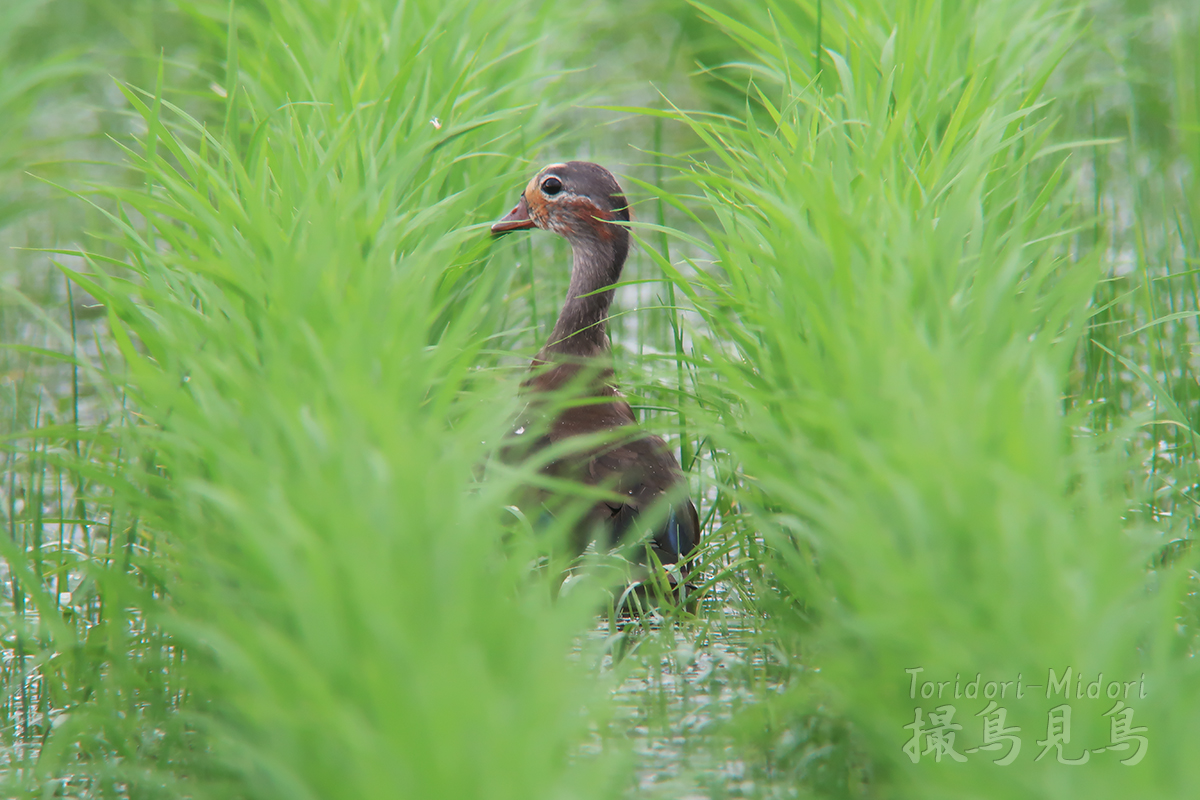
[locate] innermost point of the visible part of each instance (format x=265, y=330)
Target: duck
x=582, y=202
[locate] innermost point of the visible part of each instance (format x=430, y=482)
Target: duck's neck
x=580, y=330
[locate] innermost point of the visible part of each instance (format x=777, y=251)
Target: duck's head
x=578, y=199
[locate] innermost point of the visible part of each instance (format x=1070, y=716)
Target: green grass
x=917, y=308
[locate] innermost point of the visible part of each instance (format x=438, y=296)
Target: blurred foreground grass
x=917, y=303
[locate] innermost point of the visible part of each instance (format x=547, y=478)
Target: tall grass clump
x=925, y=344
x=299, y=314
x=899, y=294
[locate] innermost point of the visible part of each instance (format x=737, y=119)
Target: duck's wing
x=637, y=467
x=642, y=473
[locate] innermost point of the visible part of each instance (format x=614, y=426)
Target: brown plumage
x=582, y=202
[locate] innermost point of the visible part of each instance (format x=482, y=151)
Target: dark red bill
x=516, y=220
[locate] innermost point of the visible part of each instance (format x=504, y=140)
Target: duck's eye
x=551, y=186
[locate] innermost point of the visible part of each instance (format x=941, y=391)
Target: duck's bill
x=516, y=220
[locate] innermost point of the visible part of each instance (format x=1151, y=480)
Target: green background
x=914, y=296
